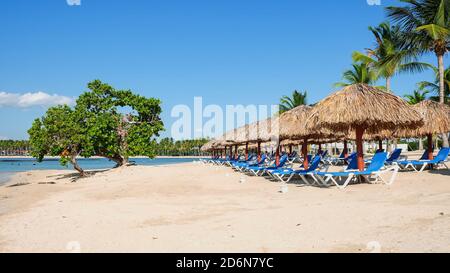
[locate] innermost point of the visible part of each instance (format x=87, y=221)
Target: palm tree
x=433, y=87
x=389, y=56
x=417, y=96
x=288, y=103
x=361, y=73
x=427, y=23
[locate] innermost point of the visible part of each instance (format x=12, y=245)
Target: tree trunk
x=120, y=161
x=73, y=160
x=442, y=93
x=388, y=84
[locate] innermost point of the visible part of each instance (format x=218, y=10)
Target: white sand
x=197, y=208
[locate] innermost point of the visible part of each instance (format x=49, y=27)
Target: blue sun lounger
x=394, y=157
x=261, y=170
x=375, y=169
x=238, y=164
x=420, y=165
x=241, y=166
x=290, y=173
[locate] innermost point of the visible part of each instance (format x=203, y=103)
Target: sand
x=196, y=208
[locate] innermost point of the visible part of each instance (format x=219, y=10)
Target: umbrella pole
x=345, y=149
x=290, y=149
x=359, y=147
x=430, y=147
x=231, y=152
x=277, y=156
x=235, y=152
x=246, y=151
x=320, y=148
x=380, y=144
x=259, y=151
x=305, y=154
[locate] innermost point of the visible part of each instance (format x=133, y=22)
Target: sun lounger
x=290, y=173
x=420, y=165
x=261, y=170
x=375, y=169
x=252, y=161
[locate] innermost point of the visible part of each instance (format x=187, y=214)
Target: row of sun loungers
x=317, y=172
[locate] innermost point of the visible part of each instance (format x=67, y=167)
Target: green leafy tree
x=360, y=73
x=106, y=122
x=118, y=134
x=417, y=96
x=427, y=23
x=389, y=56
x=288, y=103
x=58, y=133
x=14, y=147
x=433, y=87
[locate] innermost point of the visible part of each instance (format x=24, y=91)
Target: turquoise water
x=10, y=166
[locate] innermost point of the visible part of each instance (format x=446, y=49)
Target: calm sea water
x=10, y=166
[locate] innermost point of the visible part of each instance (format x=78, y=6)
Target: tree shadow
x=75, y=176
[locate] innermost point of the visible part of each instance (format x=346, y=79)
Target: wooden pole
x=235, y=152
x=430, y=147
x=259, y=151
x=305, y=153
x=277, y=156
x=380, y=144
x=231, y=152
x=359, y=147
x=246, y=151
x=345, y=149
x=290, y=149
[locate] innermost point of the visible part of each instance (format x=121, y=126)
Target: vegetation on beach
x=163, y=147
x=114, y=124
x=288, y=103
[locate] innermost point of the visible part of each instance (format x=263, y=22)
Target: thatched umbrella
x=362, y=108
x=293, y=127
x=242, y=136
x=264, y=131
x=436, y=117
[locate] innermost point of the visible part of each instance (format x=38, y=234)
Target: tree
x=118, y=135
x=433, y=87
x=58, y=133
x=389, y=56
x=288, y=103
x=105, y=122
x=417, y=96
x=361, y=73
x=427, y=23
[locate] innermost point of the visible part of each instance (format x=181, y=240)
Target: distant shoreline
x=97, y=157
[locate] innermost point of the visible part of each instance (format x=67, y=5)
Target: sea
x=9, y=166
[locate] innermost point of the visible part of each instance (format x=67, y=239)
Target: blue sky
x=227, y=51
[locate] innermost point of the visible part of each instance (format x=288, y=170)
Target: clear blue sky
x=227, y=51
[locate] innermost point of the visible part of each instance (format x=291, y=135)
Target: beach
x=191, y=207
